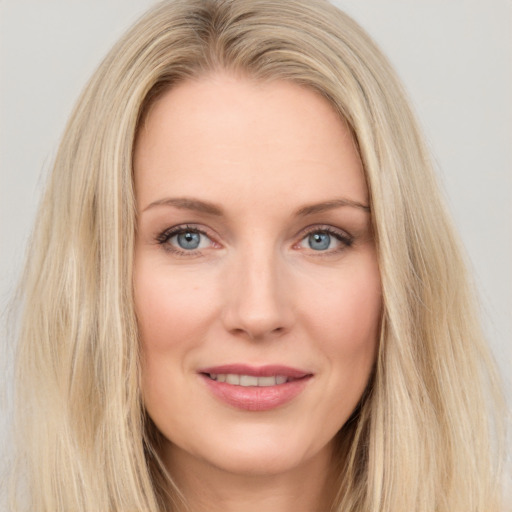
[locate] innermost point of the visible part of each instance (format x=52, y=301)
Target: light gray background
x=455, y=57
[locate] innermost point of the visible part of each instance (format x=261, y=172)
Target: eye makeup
x=191, y=240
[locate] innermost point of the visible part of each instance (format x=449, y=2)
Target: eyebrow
x=330, y=205
x=188, y=203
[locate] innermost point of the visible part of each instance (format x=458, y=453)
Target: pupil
x=188, y=240
x=319, y=241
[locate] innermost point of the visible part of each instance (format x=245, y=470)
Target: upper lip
x=257, y=371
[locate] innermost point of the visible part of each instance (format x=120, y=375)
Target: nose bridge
x=257, y=302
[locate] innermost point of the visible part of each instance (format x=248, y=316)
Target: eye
x=189, y=240
x=183, y=239
x=319, y=241
x=325, y=240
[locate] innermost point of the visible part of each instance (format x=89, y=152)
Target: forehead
x=233, y=136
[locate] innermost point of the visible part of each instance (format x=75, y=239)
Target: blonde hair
x=421, y=439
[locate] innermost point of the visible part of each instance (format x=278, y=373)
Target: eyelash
x=344, y=238
x=163, y=238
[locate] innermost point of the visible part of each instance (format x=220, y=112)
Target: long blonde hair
x=423, y=438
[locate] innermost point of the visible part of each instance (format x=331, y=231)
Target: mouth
x=255, y=388
x=248, y=380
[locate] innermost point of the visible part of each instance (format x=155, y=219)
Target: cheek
x=170, y=306
x=345, y=326
x=347, y=308
x=173, y=308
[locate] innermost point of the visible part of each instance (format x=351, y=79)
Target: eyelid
x=164, y=236
x=344, y=238
x=327, y=228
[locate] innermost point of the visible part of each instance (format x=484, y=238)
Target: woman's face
x=257, y=288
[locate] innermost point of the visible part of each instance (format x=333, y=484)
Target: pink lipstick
x=254, y=388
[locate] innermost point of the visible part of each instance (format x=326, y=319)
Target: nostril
x=258, y=334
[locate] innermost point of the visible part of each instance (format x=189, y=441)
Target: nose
x=258, y=299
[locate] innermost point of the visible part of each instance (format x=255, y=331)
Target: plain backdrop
x=454, y=56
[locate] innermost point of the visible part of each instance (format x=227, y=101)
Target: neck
x=207, y=488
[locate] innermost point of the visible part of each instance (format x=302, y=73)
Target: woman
x=238, y=296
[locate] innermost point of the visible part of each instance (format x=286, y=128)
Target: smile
x=255, y=388
x=248, y=380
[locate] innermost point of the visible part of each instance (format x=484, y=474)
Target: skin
x=255, y=291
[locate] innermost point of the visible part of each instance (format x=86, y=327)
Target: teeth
x=267, y=381
x=231, y=378
x=248, y=380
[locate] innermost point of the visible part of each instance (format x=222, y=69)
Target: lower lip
x=256, y=398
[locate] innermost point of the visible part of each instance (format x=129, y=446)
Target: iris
x=319, y=241
x=188, y=240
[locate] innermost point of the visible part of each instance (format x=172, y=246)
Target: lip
x=258, y=371
x=253, y=398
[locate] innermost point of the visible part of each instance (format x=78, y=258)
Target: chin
x=257, y=452
x=258, y=461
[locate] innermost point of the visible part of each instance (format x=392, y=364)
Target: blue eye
x=319, y=241
x=183, y=238
x=326, y=240
x=189, y=240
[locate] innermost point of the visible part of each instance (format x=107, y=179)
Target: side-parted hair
x=426, y=435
